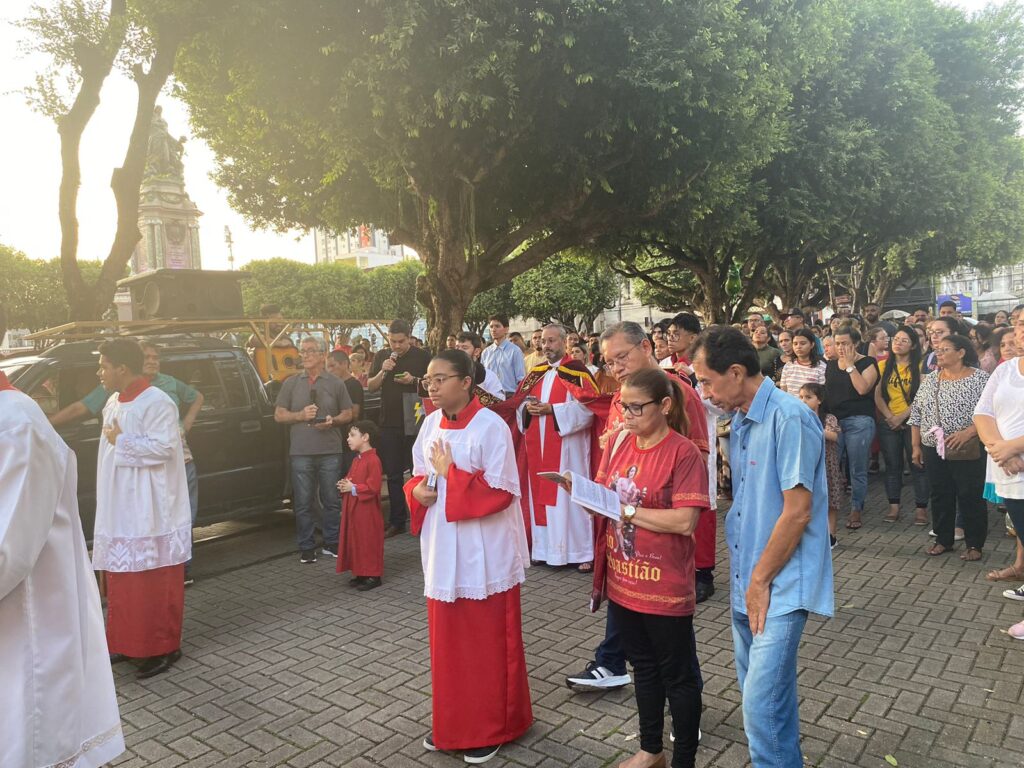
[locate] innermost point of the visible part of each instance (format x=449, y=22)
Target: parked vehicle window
x=234, y=385
x=47, y=395
x=76, y=383
x=201, y=374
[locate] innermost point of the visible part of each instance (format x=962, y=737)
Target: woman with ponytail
x=662, y=483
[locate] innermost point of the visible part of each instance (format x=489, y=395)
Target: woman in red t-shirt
x=662, y=482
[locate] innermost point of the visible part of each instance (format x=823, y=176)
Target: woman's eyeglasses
x=633, y=409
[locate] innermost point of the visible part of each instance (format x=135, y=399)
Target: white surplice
x=57, y=704
x=143, y=516
x=472, y=559
x=568, y=536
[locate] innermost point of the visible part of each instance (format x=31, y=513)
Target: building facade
x=364, y=246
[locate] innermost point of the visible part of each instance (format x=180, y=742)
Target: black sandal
x=937, y=549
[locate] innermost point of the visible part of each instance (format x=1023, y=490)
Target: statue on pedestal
x=163, y=153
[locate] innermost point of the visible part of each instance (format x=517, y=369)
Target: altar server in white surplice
x=556, y=434
x=143, y=534
x=57, y=701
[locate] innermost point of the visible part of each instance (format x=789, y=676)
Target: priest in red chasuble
x=464, y=505
x=556, y=432
x=143, y=532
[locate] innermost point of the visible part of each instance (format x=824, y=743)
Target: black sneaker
x=308, y=556
x=832, y=541
x=329, y=551
x=705, y=589
x=597, y=677
x=355, y=581
x=480, y=754
x=371, y=582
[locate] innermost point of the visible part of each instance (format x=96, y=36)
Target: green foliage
x=900, y=160
x=32, y=290
x=495, y=301
x=332, y=290
x=488, y=135
x=569, y=289
x=391, y=292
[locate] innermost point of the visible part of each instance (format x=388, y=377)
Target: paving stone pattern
x=285, y=665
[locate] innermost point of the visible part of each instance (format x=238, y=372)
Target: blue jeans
x=308, y=472
x=192, y=478
x=766, y=668
x=856, y=436
x=611, y=654
x=896, y=451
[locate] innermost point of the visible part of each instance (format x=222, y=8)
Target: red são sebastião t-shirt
x=658, y=578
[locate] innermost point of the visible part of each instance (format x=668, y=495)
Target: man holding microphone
x=396, y=371
x=315, y=403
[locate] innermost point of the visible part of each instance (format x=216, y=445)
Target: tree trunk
x=95, y=64
x=126, y=181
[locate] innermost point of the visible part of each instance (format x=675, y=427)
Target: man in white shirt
x=58, y=700
x=503, y=357
x=143, y=532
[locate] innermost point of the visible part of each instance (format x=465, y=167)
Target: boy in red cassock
x=361, y=540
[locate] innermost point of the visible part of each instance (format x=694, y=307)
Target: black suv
x=240, y=452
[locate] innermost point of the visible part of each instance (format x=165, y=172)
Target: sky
x=30, y=163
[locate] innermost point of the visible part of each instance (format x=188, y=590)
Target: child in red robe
x=361, y=538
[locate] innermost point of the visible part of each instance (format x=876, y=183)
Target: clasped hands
x=441, y=460
x=537, y=408
x=112, y=432
x=1002, y=454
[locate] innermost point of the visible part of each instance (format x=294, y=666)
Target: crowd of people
x=488, y=451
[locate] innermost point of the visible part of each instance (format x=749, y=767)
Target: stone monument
x=168, y=219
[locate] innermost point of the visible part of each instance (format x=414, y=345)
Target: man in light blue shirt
x=777, y=534
x=503, y=357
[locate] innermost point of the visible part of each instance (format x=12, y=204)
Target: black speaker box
x=185, y=294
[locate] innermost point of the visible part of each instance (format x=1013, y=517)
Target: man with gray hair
x=627, y=349
x=314, y=403
x=556, y=437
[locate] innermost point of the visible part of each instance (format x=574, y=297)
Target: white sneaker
x=598, y=677
x=1015, y=594
x=932, y=534
x=672, y=735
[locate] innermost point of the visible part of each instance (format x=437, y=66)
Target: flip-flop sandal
x=585, y=567
x=853, y=525
x=1004, y=574
x=971, y=555
x=937, y=549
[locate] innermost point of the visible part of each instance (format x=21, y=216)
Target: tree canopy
x=901, y=158
x=31, y=289
x=492, y=134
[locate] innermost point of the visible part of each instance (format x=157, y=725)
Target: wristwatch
x=851, y=369
x=628, y=512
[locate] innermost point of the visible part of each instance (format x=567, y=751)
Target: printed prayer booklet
x=589, y=494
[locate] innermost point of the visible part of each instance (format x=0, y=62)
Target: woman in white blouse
x=999, y=418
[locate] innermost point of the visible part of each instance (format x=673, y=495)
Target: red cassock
x=145, y=611
x=479, y=686
x=361, y=537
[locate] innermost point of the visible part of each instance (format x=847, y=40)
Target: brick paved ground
x=285, y=666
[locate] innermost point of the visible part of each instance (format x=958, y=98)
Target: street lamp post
x=231, y=252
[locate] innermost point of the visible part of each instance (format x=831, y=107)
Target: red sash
x=5, y=383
